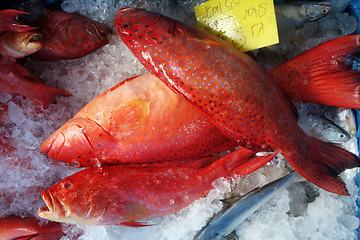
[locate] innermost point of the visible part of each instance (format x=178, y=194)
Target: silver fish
x=230, y=218
x=301, y=11
x=326, y=130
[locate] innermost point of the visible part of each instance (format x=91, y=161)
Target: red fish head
x=73, y=201
x=89, y=197
x=69, y=36
x=20, y=44
x=72, y=143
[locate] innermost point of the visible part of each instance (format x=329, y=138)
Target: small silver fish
x=301, y=11
x=230, y=218
x=326, y=130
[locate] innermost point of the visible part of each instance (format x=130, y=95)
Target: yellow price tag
x=247, y=24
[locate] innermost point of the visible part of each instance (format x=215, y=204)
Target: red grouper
x=125, y=194
x=68, y=35
x=238, y=95
x=137, y=121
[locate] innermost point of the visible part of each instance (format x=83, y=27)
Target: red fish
x=16, y=80
x=124, y=194
x=19, y=45
x=9, y=24
x=14, y=227
x=68, y=35
x=233, y=90
x=137, y=121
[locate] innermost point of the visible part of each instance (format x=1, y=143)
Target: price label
x=246, y=24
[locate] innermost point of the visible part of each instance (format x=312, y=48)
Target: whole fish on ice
x=68, y=35
x=137, y=121
x=223, y=223
x=125, y=194
x=241, y=98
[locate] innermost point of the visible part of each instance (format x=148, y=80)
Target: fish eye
x=324, y=10
x=341, y=135
x=67, y=184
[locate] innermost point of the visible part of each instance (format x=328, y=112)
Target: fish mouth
x=33, y=42
x=54, y=209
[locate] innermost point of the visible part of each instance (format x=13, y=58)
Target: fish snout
x=53, y=209
x=53, y=145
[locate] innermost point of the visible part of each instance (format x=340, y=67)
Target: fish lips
x=54, y=209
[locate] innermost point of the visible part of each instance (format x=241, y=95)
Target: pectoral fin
x=130, y=116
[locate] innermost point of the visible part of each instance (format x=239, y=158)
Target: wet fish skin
x=125, y=194
x=20, y=44
x=233, y=90
x=69, y=35
x=137, y=121
x=15, y=227
x=230, y=218
x=301, y=12
x=10, y=24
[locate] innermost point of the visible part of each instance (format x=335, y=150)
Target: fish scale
x=239, y=96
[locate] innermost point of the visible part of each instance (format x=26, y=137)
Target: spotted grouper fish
x=137, y=121
x=241, y=98
x=126, y=194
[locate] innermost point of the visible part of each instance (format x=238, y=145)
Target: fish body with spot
x=233, y=90
x=15, y=227
x=68, y=35
x=126, y=194
x=137, y=121
x=226, y=221
x=20, y=44
x=301, y=12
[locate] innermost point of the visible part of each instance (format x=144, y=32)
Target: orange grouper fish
x=68, y=35
x=124, y=194
x=14, y=227
x=238, y=95
x=137, y=121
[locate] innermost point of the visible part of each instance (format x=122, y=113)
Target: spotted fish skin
x=233, y=90
x=137, y=121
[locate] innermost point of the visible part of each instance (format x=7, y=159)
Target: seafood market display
x=119, y=122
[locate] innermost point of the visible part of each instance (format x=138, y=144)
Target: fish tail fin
x=11, y=24
x=328, y=74
x=242, y=162
x=324, y=164
x=46, y=95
